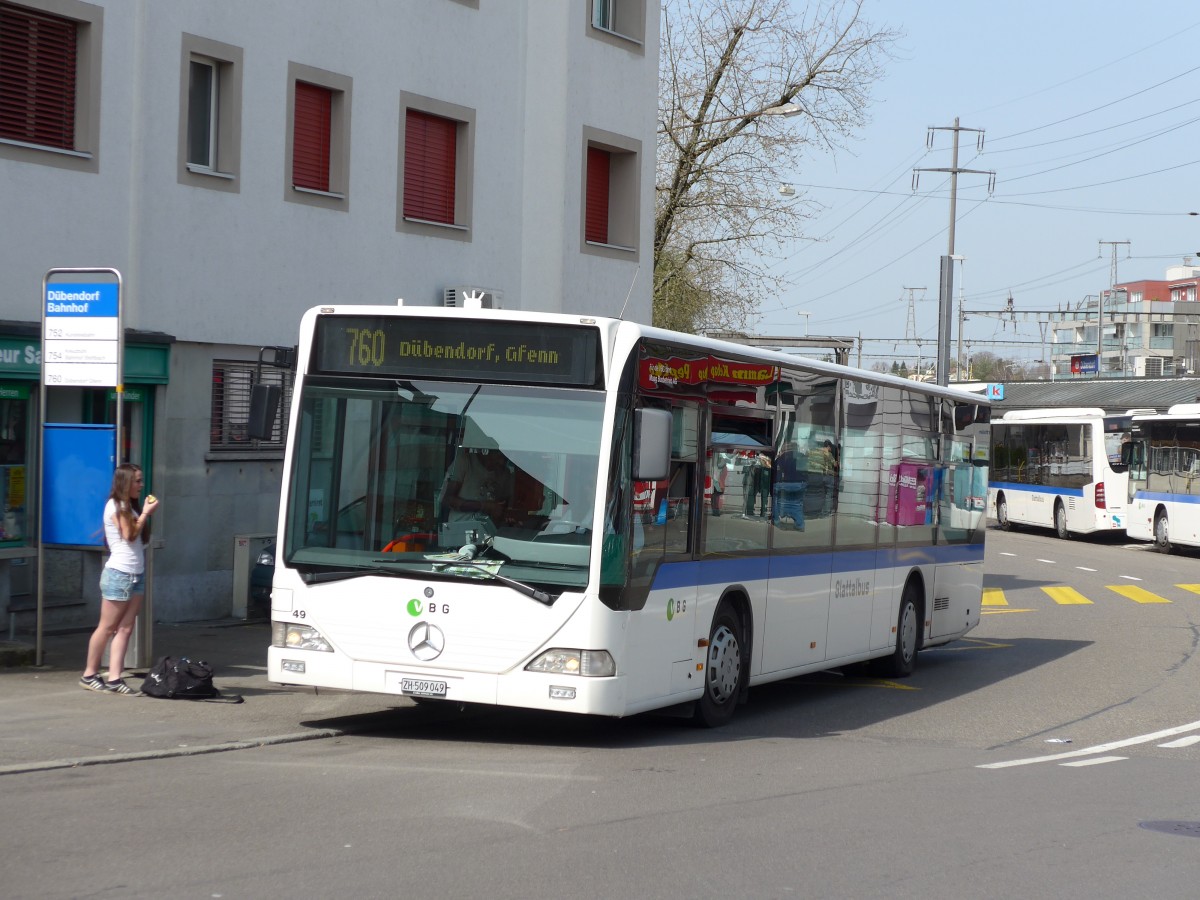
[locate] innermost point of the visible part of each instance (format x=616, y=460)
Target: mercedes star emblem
x=426, y=641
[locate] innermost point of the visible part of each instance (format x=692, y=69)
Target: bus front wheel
x=724, y=672
x=1060, y=521
x=1162, y=534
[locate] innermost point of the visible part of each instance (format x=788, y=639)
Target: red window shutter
x=37, y=78
x=430, y=159
x=596, y=214
x=313, y=123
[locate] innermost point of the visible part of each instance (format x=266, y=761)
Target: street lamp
x=785, y=110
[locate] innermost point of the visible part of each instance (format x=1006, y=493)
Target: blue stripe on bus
x=1036, y=488
x=1165, y=498
x=738, y=570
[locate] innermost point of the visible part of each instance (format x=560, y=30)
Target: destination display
x=524, y=352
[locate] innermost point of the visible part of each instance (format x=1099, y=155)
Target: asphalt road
x=1052, y=752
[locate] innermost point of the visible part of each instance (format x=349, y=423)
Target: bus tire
x=1060, y=521
x=1162, y=532
x=1002, y=513
x=903, y=658
x=725, y=670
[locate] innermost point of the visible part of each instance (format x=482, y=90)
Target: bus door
x=803, y=515
x=862, y=553
x=662, y=658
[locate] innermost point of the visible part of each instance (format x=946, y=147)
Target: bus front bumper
x=604, y=696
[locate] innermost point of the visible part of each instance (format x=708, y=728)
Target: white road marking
x=1050, y=561
x=1008, y=554
x=1086, y=569
x=1182, y=742
x=1130, y=577
x=1095, y=762
x=1099, y=748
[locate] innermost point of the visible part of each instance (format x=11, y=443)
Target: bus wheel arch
x=1060, y=520
x=1002, y=512
x=910, y=618
x=727, y=664
x=1162, y=531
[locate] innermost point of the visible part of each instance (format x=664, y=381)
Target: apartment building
x=1147, y=328
x=240, y=162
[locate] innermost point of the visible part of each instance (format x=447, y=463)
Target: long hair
x=122, y=488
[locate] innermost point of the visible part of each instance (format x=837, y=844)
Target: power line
x=1088, y=112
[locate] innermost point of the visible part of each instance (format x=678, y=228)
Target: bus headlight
x=298, y=637
x=589, y=663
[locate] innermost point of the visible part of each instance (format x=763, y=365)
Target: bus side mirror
x=652, y=444
x=264, y=410
x=1127, y=453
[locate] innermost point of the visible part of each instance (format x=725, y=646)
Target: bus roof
x=613, y=327
x=1053, y=415
x=1179, y=412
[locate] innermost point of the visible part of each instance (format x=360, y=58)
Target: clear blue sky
x=1091, y=119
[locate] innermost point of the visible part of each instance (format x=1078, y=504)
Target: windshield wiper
x=329, y=575
x=521, y=587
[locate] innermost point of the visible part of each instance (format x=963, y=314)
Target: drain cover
x=1187, y=829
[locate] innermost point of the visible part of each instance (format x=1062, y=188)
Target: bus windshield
x=416, y=476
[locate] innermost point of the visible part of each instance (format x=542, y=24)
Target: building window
x=37, y=91
x=436, y=167
x=429, y=164
x=318, y=145
x=210, y=113
x=231, y=383
x=49, y=79
x=596, y=217
x=202, y=114
x=611, y=182
x=313, y=121
x=625, y=19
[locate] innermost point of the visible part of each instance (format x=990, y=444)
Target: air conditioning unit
x=472, y=298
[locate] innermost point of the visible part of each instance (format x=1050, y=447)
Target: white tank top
x=123, y=556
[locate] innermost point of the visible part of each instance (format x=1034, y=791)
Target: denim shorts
x=120, y=586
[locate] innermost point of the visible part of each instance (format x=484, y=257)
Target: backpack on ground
x=180, y=678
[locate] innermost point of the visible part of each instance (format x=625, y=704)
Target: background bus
x=1164, y=478
x=1060, y=469
x=509, y=508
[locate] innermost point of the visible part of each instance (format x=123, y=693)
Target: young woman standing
x=123, y=580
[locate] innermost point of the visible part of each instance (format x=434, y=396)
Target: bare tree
x=747, y=89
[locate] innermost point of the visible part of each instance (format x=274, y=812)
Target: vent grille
x=476, y=297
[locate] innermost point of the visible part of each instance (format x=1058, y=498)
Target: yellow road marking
x=1194, y=588
x=997, y=612
x=1137, y=594
x=980, y=643
x=865, y=682
x=1066, y=595
x=995, y=597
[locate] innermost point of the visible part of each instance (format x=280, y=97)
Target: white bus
x=1164, y=478
x=458, y=523
x=1060, y=469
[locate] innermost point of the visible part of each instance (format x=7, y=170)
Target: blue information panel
x=78, y=461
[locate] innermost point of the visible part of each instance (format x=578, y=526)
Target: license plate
x=419, y=687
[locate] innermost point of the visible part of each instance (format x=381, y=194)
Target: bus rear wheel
x=1060, y=521
x=903, y=659
x=1002, y=513
x=724, y=671
x=1162, y=533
